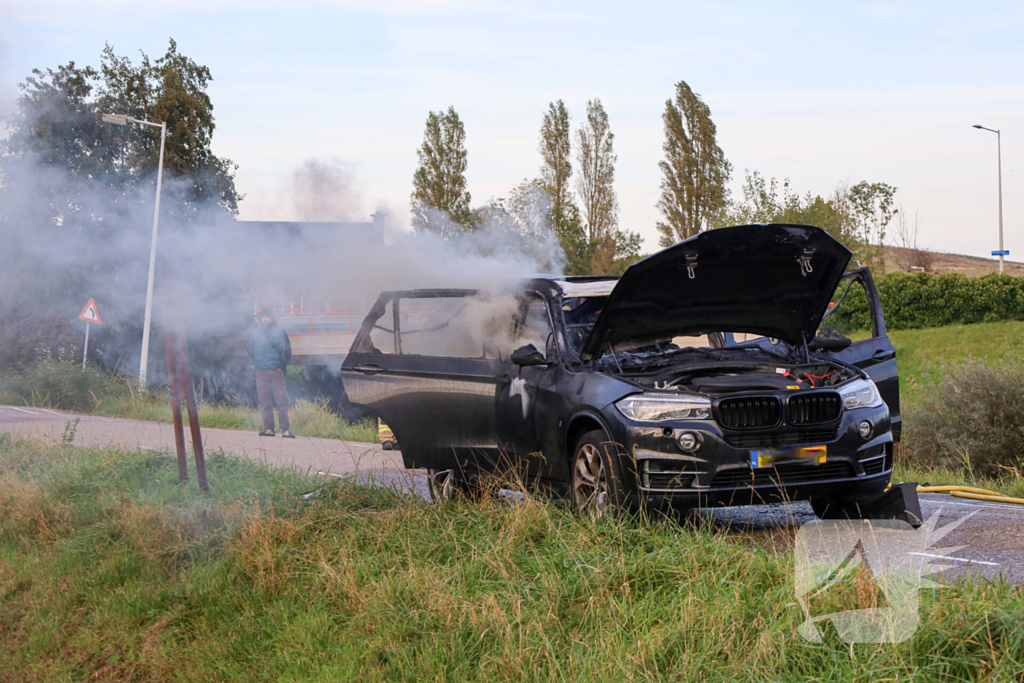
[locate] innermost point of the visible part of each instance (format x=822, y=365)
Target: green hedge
x=915, y=300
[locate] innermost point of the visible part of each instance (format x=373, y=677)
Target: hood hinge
x=805, y=262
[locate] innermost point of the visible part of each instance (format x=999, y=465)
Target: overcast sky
x=809, y=91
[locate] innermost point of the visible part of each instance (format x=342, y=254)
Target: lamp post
x=122, y=120
x=999, y=156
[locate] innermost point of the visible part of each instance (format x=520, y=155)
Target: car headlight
x=861, y=393
x=662, y=407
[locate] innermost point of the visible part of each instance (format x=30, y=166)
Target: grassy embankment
x=921, y=354
x=110, y=570
x=66, y=386
x=921, y=357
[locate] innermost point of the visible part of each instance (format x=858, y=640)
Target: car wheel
x=831, y=508
x=441, y=484
x=445, y=484
x=597, y=483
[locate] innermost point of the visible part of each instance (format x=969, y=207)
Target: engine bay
x=725, y=380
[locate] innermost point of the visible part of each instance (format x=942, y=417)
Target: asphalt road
x=992, y=538
x=366, y=462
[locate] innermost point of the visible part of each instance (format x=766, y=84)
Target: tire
x=832, y=508
x=598, y=486
x=447, y=485
x=440, y=485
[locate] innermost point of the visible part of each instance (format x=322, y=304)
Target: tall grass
x=110, y=570
x=67, y=386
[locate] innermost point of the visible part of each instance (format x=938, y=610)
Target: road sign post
x=90, y=315
x=85, y=347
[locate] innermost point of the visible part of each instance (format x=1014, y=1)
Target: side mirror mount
x=528, y=355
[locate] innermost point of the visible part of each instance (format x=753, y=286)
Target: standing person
x=270, y=350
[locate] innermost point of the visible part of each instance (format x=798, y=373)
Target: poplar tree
x=694, y=171
x=557, y=167
x=595, y=155
x=440, y=199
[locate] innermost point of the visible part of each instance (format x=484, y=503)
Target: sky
x=820, y=93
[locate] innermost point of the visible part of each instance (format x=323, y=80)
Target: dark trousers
x=271, y=389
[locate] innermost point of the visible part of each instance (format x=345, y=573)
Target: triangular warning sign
x=89, y=314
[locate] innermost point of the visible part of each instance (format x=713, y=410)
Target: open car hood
x=774, y=280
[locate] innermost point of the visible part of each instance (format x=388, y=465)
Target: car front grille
x=786, y=473
x=794, y=438
x=813, y=408
x=751, y=411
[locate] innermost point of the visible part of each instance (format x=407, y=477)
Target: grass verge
x=66, y=386
x=109, y=569
x=921, y=354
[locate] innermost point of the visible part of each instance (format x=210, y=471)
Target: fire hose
x=972, y=493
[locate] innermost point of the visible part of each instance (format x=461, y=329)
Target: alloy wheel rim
x=590, y=485
x=440, y=484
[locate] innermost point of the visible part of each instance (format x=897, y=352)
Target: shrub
x=973, y=420
x=916, y=300
x=64, y=385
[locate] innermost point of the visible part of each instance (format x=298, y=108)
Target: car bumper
x=722, y=469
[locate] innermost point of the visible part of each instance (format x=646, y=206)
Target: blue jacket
x=269, y=347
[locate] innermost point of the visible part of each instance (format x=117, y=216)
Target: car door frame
x=440, y=408
x=531, y=436
x=876, y=355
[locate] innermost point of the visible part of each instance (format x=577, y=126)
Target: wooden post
x=185, y=387
x=179, y=429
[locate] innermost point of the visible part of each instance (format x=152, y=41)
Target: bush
x=916, y=300
x=53, y=384
x=973, y=419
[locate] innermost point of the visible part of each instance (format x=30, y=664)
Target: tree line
x=57, y=122
x=583, y=212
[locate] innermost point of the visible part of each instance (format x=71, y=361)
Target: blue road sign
x=1004, y=252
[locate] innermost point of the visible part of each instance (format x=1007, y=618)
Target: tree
x=909, y=254
x=694, y=170
x=762, y=203
x=596, y=157
x=57, y=124
x=516, y=228
x=606, y=249
x=440, y=200
x=171, y=89
x=872, y=206
x=73, y=185
x=572, y=237
x=557, y=168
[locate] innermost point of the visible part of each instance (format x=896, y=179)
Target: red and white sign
x=89, y=314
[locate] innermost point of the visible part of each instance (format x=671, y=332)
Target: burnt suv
x=700, y=377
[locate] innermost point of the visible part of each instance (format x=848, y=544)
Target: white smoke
x=211, y=267
x=325, y=191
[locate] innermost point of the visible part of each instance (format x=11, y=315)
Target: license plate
x=761, y=459
x=818, y=454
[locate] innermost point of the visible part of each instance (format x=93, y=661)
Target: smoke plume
x=67, y=238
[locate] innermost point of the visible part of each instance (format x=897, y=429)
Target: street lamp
x=999, y=153
x=123, y=120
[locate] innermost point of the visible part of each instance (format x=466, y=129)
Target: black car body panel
x=704, y=285
x=875, y=355
x=469, y=408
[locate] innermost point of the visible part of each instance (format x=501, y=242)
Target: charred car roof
x=770, y=279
